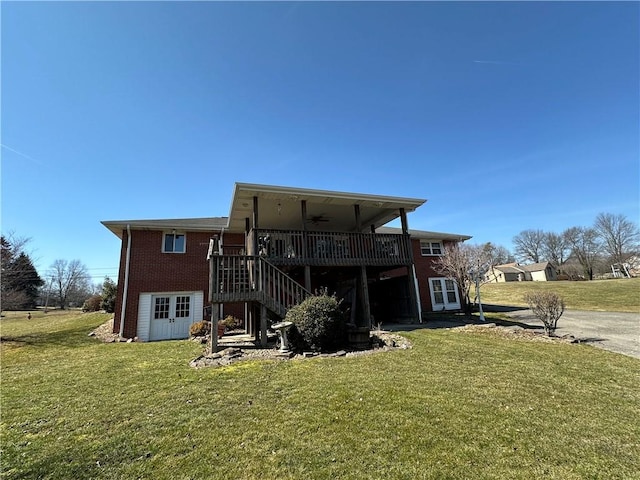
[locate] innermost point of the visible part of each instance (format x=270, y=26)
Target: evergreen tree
x=109, y=291
x=20, y=280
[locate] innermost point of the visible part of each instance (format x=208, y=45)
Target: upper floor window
x=430, y=248
x=173, y=243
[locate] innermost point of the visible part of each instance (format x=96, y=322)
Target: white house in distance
x=514, y=272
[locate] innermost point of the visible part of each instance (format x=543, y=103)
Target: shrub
x=318, y=323
x=547, y=306
x=231, y=323
x=92, y=304
x=200, y=329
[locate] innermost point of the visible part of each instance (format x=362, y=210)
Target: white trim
x=436, y=307
x=174, y=233
x=428, y=243
x=145, y=311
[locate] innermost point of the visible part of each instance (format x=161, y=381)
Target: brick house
x=278, y=245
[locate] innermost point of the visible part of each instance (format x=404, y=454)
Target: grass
x=457, y=406
x=617, y=295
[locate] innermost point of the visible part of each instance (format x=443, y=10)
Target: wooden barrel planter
x=359, y=338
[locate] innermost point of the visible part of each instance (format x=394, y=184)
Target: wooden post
x=413, y=294
x=255, y=225
x=403, y=219
x=356, y=209
x=414, y=297
x=215, y=316
x=305, y=247
x=247, y=232
x=364, y=297
x=307, y=278
x=303, y=210
x=263, y=326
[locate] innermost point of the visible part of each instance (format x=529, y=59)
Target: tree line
x=68, y=283
x=613, y=239
x=582, y=251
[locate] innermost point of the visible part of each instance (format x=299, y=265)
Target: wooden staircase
x=249, y=278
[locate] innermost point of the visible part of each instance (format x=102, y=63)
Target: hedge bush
x=92, y=304
x=318, y=324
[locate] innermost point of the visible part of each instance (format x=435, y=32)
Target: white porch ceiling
x=281, y=208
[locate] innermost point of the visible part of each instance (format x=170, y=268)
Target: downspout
x=126, y=281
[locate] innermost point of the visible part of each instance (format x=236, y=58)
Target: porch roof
x=280, y=208
x=427, y=235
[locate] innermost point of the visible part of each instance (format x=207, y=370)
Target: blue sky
x=505, y=116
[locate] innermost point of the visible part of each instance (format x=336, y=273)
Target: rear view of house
x=276, y=247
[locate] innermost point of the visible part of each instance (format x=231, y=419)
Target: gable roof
x=508, y=268
x=517, y=268
x=535, y=267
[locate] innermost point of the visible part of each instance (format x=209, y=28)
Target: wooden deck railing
x=240, y=278
x=299, y=247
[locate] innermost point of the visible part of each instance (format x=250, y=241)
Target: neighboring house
x=276, y=247
x=514, y=272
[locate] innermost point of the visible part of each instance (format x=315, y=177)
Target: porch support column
x=414, y=297
x=305, y=249
x=356, y=209
x=364, y=297
x=247, y=231
x=216, y=310
x=403, y=219
x=263, y=326
x=413, y=293
x=255, y=224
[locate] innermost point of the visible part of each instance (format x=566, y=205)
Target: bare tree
x=497, y=254
x=585, y=247
x=528, y=245
x=619, y=236
x=460, y=262
x=555, y=248
x=68, y=278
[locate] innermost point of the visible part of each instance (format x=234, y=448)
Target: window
x=173, y=243
x=430, y=248
x=161, y=309
x=182, y=306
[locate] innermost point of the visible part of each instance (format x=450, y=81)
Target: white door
x=444, y=294
x=171, y=316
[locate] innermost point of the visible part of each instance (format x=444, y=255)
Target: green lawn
x=619, y=295
x=456, y=406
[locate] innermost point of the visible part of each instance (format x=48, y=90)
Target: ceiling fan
x=316, y=219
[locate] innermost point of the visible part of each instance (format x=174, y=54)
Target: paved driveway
x=617, y=332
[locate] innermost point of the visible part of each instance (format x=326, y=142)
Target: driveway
x=617, y=332
x=613, y=331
